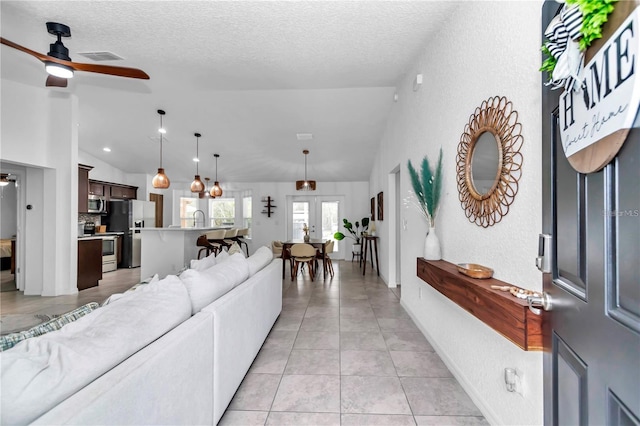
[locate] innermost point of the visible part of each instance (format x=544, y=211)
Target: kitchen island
x=166, y=251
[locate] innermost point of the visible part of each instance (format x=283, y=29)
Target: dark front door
x=592, y=347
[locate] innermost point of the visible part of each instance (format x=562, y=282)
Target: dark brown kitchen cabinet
x=124, y=192
x=119, y=249
x=89, y=263
x=97, y=188
x=83, y=187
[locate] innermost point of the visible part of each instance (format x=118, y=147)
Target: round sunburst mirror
x=489, y=162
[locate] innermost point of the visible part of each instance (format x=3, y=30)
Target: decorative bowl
x=475, y=271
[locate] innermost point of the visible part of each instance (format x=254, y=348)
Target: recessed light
x=196, y=159
x=304, y=136
x=106, y=149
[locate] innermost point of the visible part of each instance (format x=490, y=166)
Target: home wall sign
x=596, y=118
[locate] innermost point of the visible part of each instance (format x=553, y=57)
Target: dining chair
x=303, y=254
x=328, y=266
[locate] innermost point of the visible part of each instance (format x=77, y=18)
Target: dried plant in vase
x=427, y=187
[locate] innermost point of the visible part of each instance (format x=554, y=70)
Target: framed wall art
x=380, y=206
x=373, y=209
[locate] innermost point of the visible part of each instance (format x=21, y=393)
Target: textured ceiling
x=247, y=75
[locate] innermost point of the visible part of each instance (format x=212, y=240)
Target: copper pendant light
x=305, y=185
x=216, y=191
x=161, y=180
x=197, y=185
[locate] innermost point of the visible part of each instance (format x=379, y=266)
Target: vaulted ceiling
x=248, y=76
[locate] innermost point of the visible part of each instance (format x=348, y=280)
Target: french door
x=321, y=214
x=592, y=330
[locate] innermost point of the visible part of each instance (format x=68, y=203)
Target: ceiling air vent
x=304, y=136
x=101, y=56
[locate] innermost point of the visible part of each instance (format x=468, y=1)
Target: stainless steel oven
x=109, y=254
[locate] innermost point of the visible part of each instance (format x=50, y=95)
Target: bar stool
x=240, y=238
x=216, y=238
x=230, y=236
x=207, y=247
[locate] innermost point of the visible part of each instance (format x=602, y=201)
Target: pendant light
x=160, y=180
x=216, y=191
x=305, y=185
x=205, y=193
x=197, y=185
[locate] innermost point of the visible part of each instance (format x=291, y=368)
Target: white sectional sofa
x=152, y=357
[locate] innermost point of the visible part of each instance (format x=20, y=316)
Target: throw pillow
x=222, y=256
x=235, y=248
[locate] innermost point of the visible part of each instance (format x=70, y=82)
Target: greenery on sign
x=594, y=14
x=354, y=230
x=427, y=187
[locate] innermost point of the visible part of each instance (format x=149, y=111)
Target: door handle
x=537, y=304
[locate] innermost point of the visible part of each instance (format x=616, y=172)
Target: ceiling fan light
x=197, y=185
x=58, y=70
x=160, y=180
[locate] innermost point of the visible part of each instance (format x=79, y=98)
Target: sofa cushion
x=41, y=372
x=258, y=260
x=204, y=263
x=206, y=286
x=222, y=256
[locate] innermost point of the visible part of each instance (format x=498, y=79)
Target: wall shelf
x=268, y=207
x=506, y=314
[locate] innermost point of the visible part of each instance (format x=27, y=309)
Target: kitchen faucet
x=194, y=217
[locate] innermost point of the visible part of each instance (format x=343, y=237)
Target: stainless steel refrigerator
x=127, y=216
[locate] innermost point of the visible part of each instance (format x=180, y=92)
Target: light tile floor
x=345, y=352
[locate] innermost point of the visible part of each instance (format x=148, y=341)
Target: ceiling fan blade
x=52, y=80
x=78, y=66
x=38, y=55
x=107, y=69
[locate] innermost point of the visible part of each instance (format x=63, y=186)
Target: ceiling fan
x=59, y=65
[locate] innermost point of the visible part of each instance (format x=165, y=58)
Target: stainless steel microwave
x=97, y=204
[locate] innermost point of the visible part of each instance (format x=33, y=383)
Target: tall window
x=246, y=212
x=222, y=211
x=188, y=206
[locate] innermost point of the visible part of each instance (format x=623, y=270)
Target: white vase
x=432, y=249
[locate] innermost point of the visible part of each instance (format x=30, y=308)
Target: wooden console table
x=500, y=310
x=367, y=245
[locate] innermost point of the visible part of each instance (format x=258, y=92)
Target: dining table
x=316, y=242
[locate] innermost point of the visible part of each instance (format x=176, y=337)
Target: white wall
x=486, y=49
x=39, y=131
